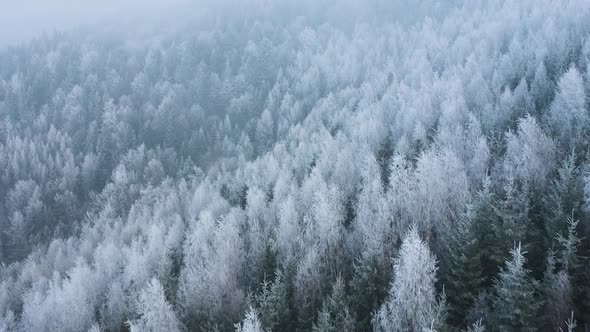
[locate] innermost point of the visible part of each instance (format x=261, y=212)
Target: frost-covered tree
x=442, y=190
x=568, y=115
x=412, y=303
x=516, y=300
x=559, y=299
x=155, y=313
x=335, y=314
x=116, y=308
x=372, y=222
x=251, y=322
x=476, y=327
x=530, y=153
x=276, y=158
x=542, y=88
x=273, y=304
x=563, y=198
x=209, y=279
x=464, y=276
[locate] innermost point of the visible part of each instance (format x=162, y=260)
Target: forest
x=325, y=166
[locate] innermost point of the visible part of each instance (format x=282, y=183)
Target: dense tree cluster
x=277, y=167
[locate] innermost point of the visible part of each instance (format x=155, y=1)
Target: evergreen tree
x=335, y=315
x=510, y=223
x=515, y=304
x=464, y=271
x=571, y=323
x=486, y=226
x=513, y=212
x=8, y=322
x=412, y=304
x=156, y=313
x=575, y=267
x=542, y=88
x=569, y=243
x=273, y=304
x=369, y=287
x=480, y=310
x=251, y=323
x=562, y=199
x=567, y=115
x=476, y=327
x=559, y=300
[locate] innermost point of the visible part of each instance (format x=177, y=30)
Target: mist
x=22, y=20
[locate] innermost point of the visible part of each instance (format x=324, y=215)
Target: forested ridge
x=272, y=166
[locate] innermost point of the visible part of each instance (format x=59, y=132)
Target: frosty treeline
x=286, y=168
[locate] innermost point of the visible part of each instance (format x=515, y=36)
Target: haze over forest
x=295, y=165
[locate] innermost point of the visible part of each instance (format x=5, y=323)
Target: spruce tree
x=515, y=304
x=575, y=267
x=464, y=271
x=476, y=327
x=412, y=302
x=513, y=212
x=369, y=287
x=509, y=222
x=484, y=222
x=562, y=199
x=251, y=322
x=156, y=313
x=273, y=304
x=335, y=315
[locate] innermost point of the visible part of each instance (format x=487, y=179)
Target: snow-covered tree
x=273, y=304
x=412, y=304
x=251, y=323
x=516, y=300
x=335, y=314
x=155, y=313
x=530, y=153
x=464, y=276
x=568, y=115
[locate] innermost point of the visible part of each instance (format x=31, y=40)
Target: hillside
x=278, y=167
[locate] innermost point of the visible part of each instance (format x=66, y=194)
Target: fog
x=23, y=20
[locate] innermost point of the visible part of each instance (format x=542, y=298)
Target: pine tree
x=575, y=267
x=542, y=88
x=251, y=323
x=569, y=247
x=8, y=322
x=368, y=289
x=563, y=275
x=481, y=308
x=485, y=223
x=273, y=304
x=567, y=115
x=562, y=199
x=412, y=304
x=559, y=300
x=510, y=223
x=570, y=323
x=476, y=327
x=515, y=304
x=156, y=313
x=464, y=271
x=335, y=314
x=513, y=211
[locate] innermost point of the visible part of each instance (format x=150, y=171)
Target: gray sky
x=21, y=20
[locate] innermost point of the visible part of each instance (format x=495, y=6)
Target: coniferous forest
x=326, y=166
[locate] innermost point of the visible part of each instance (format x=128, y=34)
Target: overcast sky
x=21, y=20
